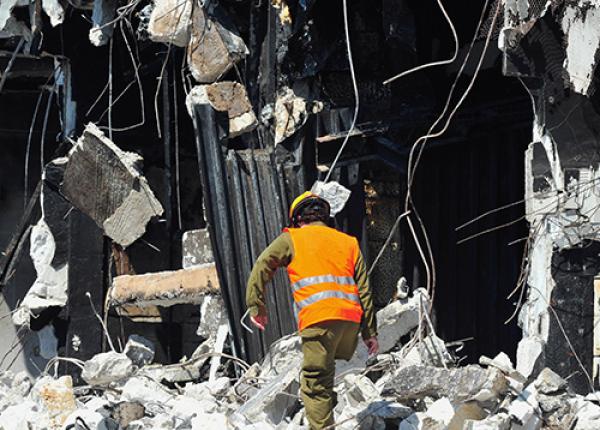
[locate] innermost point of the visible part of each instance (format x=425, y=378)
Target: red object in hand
x=372, y=345
x=259, y=321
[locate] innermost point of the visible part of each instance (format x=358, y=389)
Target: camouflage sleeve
x=278, y=254
x=369, y=321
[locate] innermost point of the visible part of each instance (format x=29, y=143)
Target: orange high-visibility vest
x=322, y=275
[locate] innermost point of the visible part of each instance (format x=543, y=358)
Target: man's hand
x=259, y=321
x=372, y=345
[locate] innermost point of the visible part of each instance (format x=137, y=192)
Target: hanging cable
x=356, y=95
x=434, y=63
x=412, y=166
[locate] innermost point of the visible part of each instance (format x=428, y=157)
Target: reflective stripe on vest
x=323, y=279
x=328, y=294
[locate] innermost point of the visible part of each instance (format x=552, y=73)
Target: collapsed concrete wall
x=553, y=50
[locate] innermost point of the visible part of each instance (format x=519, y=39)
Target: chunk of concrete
x=336, y=194
x=227, y=97
x=51, y=284
x=165, y=288
x=105, y=183
x=171, y=22
x=214, y=46
x=273, y=402
x=107, y=367
x=146, y=391
x=23, y=416
x=196, y=248
x=437, y=417
x=291, y=112
x=56, y=398
x=103, y=15
x=530, y=356
x=548, y=382
x=212, y=316
x=524, y=407
x=399, y=318
x=459, y=384
x=499, y=421
x=126, y=412
x=587, y=415
x=282, y=354
x=139, y=350
x=54, y=10
x=203, y=421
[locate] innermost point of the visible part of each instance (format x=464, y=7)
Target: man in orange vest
x=332, y=298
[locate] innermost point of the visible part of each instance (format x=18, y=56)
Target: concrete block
x=214, y=46
x=171, y=22
x=56, y=398
x=139, y=350
x=107, y=367
x=165, y=288
x=196, y=248
x=227, y=97
x=116, y=196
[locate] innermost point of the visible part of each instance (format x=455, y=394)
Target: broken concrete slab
x=146, y=391
x=117, y=197
x=459, y=384
x=107, y=367
x=291, y=112
x=170, y=22
x=165, y=288
x=139, y=350
x=126, y=412
x=587, y=415
x=196, y=248
x=51, y=285
x=92, y=419
x=227, y=97
x=214, y=46
x=399, y=318
x=212, y=316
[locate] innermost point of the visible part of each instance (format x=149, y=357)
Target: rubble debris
x=196, y=248
x=103, y=15
x=214, y=46
x=139, y=350
x=54, y=10
x=117, y=197
x=57, y=398
x=126, y=412
x=290, y=113
x=336, y=194
x=170, y=22
x=460, y=384
x=106, y=368
x=165, y=288
x=51, y=284
x=227, y=97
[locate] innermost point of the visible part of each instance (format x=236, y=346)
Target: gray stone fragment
x=107, y=367
x=105, y=183
x=398, y=319
x=336, y=194
x=214, y=46
x=102, y=16
x=139, y=350
x=499, y=421
x=459, y=384
x=170, y=21
x=548, y=382
x=126, y=412
x=227, y=97
x=196, y=248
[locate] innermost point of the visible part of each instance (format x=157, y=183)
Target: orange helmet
x=302, y=201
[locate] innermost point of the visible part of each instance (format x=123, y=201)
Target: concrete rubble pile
x=415, y=385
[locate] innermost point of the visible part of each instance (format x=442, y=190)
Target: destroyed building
x=151, y=150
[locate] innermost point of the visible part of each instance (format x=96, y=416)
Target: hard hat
x=302, y=199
